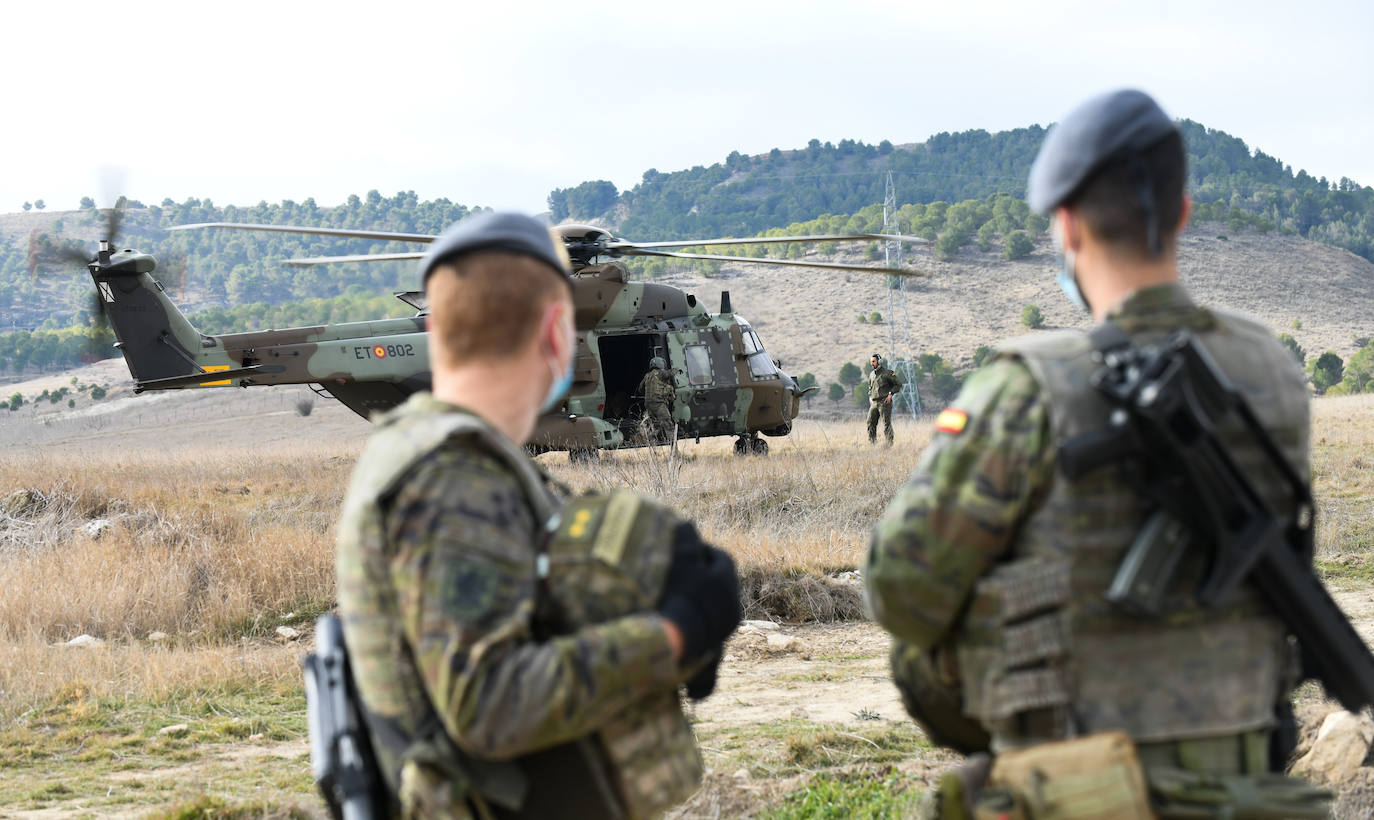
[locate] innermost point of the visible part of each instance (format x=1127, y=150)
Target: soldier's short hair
x=1110, y=202
x=488, y=304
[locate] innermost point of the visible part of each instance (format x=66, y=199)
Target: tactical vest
x=880, y=383
x=658, y=387
x=1043, y=656
x=607, y=558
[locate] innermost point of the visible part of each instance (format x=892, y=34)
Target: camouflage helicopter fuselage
x=726, y=383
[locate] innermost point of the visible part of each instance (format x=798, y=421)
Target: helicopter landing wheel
x=752, y=446
x=584, y=456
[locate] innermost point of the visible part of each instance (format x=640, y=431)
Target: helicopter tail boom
x=157, y=340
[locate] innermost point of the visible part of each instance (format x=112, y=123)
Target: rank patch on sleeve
x=951, y=421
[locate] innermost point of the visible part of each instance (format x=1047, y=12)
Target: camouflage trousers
x=884, y=409
x=658, y=422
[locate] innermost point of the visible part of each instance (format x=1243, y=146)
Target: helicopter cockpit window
x=760, y=365
x=751, y=342
x=698, y=364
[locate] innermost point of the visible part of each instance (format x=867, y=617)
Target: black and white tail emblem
x=106, y=293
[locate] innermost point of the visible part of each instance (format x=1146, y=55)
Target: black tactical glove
x=700, y=597
x=703, y=683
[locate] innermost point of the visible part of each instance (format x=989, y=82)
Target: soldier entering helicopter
x=659, y=391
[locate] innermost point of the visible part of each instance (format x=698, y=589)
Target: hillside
x=809, y=319
x=963, y=192
x=744, y=195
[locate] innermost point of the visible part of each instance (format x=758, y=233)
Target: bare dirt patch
x=829, y=673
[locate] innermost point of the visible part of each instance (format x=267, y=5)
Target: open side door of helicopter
x=624, y=362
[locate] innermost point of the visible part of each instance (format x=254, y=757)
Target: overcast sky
x=495, y=106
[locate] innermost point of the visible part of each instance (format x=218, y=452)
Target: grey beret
x=493, y=230
x=1100, y=129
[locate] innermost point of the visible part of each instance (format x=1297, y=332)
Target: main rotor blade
x=761, y=240
x=761, y=261
x=243, y=226
x=307, y=261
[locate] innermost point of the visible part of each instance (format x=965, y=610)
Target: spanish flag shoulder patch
x=951, y=421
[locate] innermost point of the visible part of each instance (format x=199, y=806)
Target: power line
x=898, y=322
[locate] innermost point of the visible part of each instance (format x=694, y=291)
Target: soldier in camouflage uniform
x=481, y=696
x=659, y=391
x=989, y=566
x=883, y=384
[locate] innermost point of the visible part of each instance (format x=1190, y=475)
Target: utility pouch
x=608, y=558
x=1097, y=777
x=935, y=700
x=431, y=792
x=1179, y=793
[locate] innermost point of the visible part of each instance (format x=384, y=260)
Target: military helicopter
x=727, y=384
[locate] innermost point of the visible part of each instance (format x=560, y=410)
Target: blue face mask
x=1068, y=282
x=1068, y=278
x=557, y=388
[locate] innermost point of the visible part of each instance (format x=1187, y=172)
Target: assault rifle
x=1170, y=402
x=341, y=758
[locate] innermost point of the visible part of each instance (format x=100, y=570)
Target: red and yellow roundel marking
x=951, y=421
x=379, y=352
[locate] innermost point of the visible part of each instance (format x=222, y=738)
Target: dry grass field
x=215, y=547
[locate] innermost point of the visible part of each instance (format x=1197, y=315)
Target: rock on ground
x=1339, y=750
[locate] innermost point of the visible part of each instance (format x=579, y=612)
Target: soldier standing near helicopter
x=883, y=384
x=482, y=696
x=659, y=391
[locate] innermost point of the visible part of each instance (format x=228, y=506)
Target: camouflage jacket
x=657, y=386
x=436, y=567
x=882, y=383
x=989, y=552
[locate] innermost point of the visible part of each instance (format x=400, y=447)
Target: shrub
x=985, y=235
x=1325, y=371
x=1293, y=347
x=875, y=318
x=1019, y=244
x=948, y=244
x=97, y=392
x=943, y=381
x=982, y=354
x=863, y=320
x=1032, y=318
x=1359, y=372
